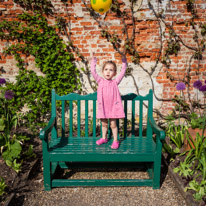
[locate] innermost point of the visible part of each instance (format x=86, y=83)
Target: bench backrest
x=136, y=101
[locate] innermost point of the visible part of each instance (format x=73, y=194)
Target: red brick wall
x=85, y=34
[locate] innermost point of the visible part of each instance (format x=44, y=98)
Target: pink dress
x=108, y=96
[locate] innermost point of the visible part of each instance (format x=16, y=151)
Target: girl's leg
x=104, y=128
x=115, y=144
x=104, y=139
x=113, y=126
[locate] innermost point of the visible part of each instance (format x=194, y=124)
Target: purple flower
x=2, y=81
x=180, y=86
x=203, y=88
x=9, y=94
x=197, y=84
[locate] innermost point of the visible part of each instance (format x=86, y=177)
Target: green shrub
x=36, y=38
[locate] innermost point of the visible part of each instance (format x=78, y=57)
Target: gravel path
x=167, y=195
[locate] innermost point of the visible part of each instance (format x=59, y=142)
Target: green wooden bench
x=69, y=150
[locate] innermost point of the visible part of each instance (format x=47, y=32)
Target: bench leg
x=54, y=166
x=150, y=170
x=47, y=174
x=156, y=173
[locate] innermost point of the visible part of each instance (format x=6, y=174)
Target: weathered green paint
x=134, y=149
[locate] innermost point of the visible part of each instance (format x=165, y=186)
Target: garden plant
x=11, y=142
x=192, y=166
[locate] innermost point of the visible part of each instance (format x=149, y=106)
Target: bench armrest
x=44, y=132
x=156, y=129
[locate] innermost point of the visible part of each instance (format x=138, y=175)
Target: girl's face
x=109, y=71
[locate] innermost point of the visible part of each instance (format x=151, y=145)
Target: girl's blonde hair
x=110, y=62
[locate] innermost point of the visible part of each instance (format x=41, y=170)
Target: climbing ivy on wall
x=32, y=36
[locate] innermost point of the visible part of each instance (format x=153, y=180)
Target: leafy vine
x=34, y=37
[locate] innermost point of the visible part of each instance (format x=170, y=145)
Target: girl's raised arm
x=122, y=73
x=93, y=69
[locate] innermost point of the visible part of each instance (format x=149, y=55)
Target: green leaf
x=2, y=186
x=2, y=125
x=177, y=150
x=12, y=153
x=29, y=153
x=176, y=170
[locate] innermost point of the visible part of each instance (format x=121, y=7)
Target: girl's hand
x=124, y=59
x=94, y=59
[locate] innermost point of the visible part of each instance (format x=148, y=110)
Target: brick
x=86, y=23
x=94, y=32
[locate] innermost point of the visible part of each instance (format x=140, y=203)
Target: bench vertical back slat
x=133, y=118
x=118, y=126
x=79, y=118
x=109, y=129
x=125, y=119
x=53, y=106
x=150, y=113
x=63, y=118
x=94, y=118
x=100, y=129
x=86, y=118
x=53, y=113
x=140, y=117
x=70, y=118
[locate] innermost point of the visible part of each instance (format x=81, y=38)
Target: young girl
x=108, y=98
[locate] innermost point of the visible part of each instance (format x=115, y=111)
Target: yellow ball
x=101, y=6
